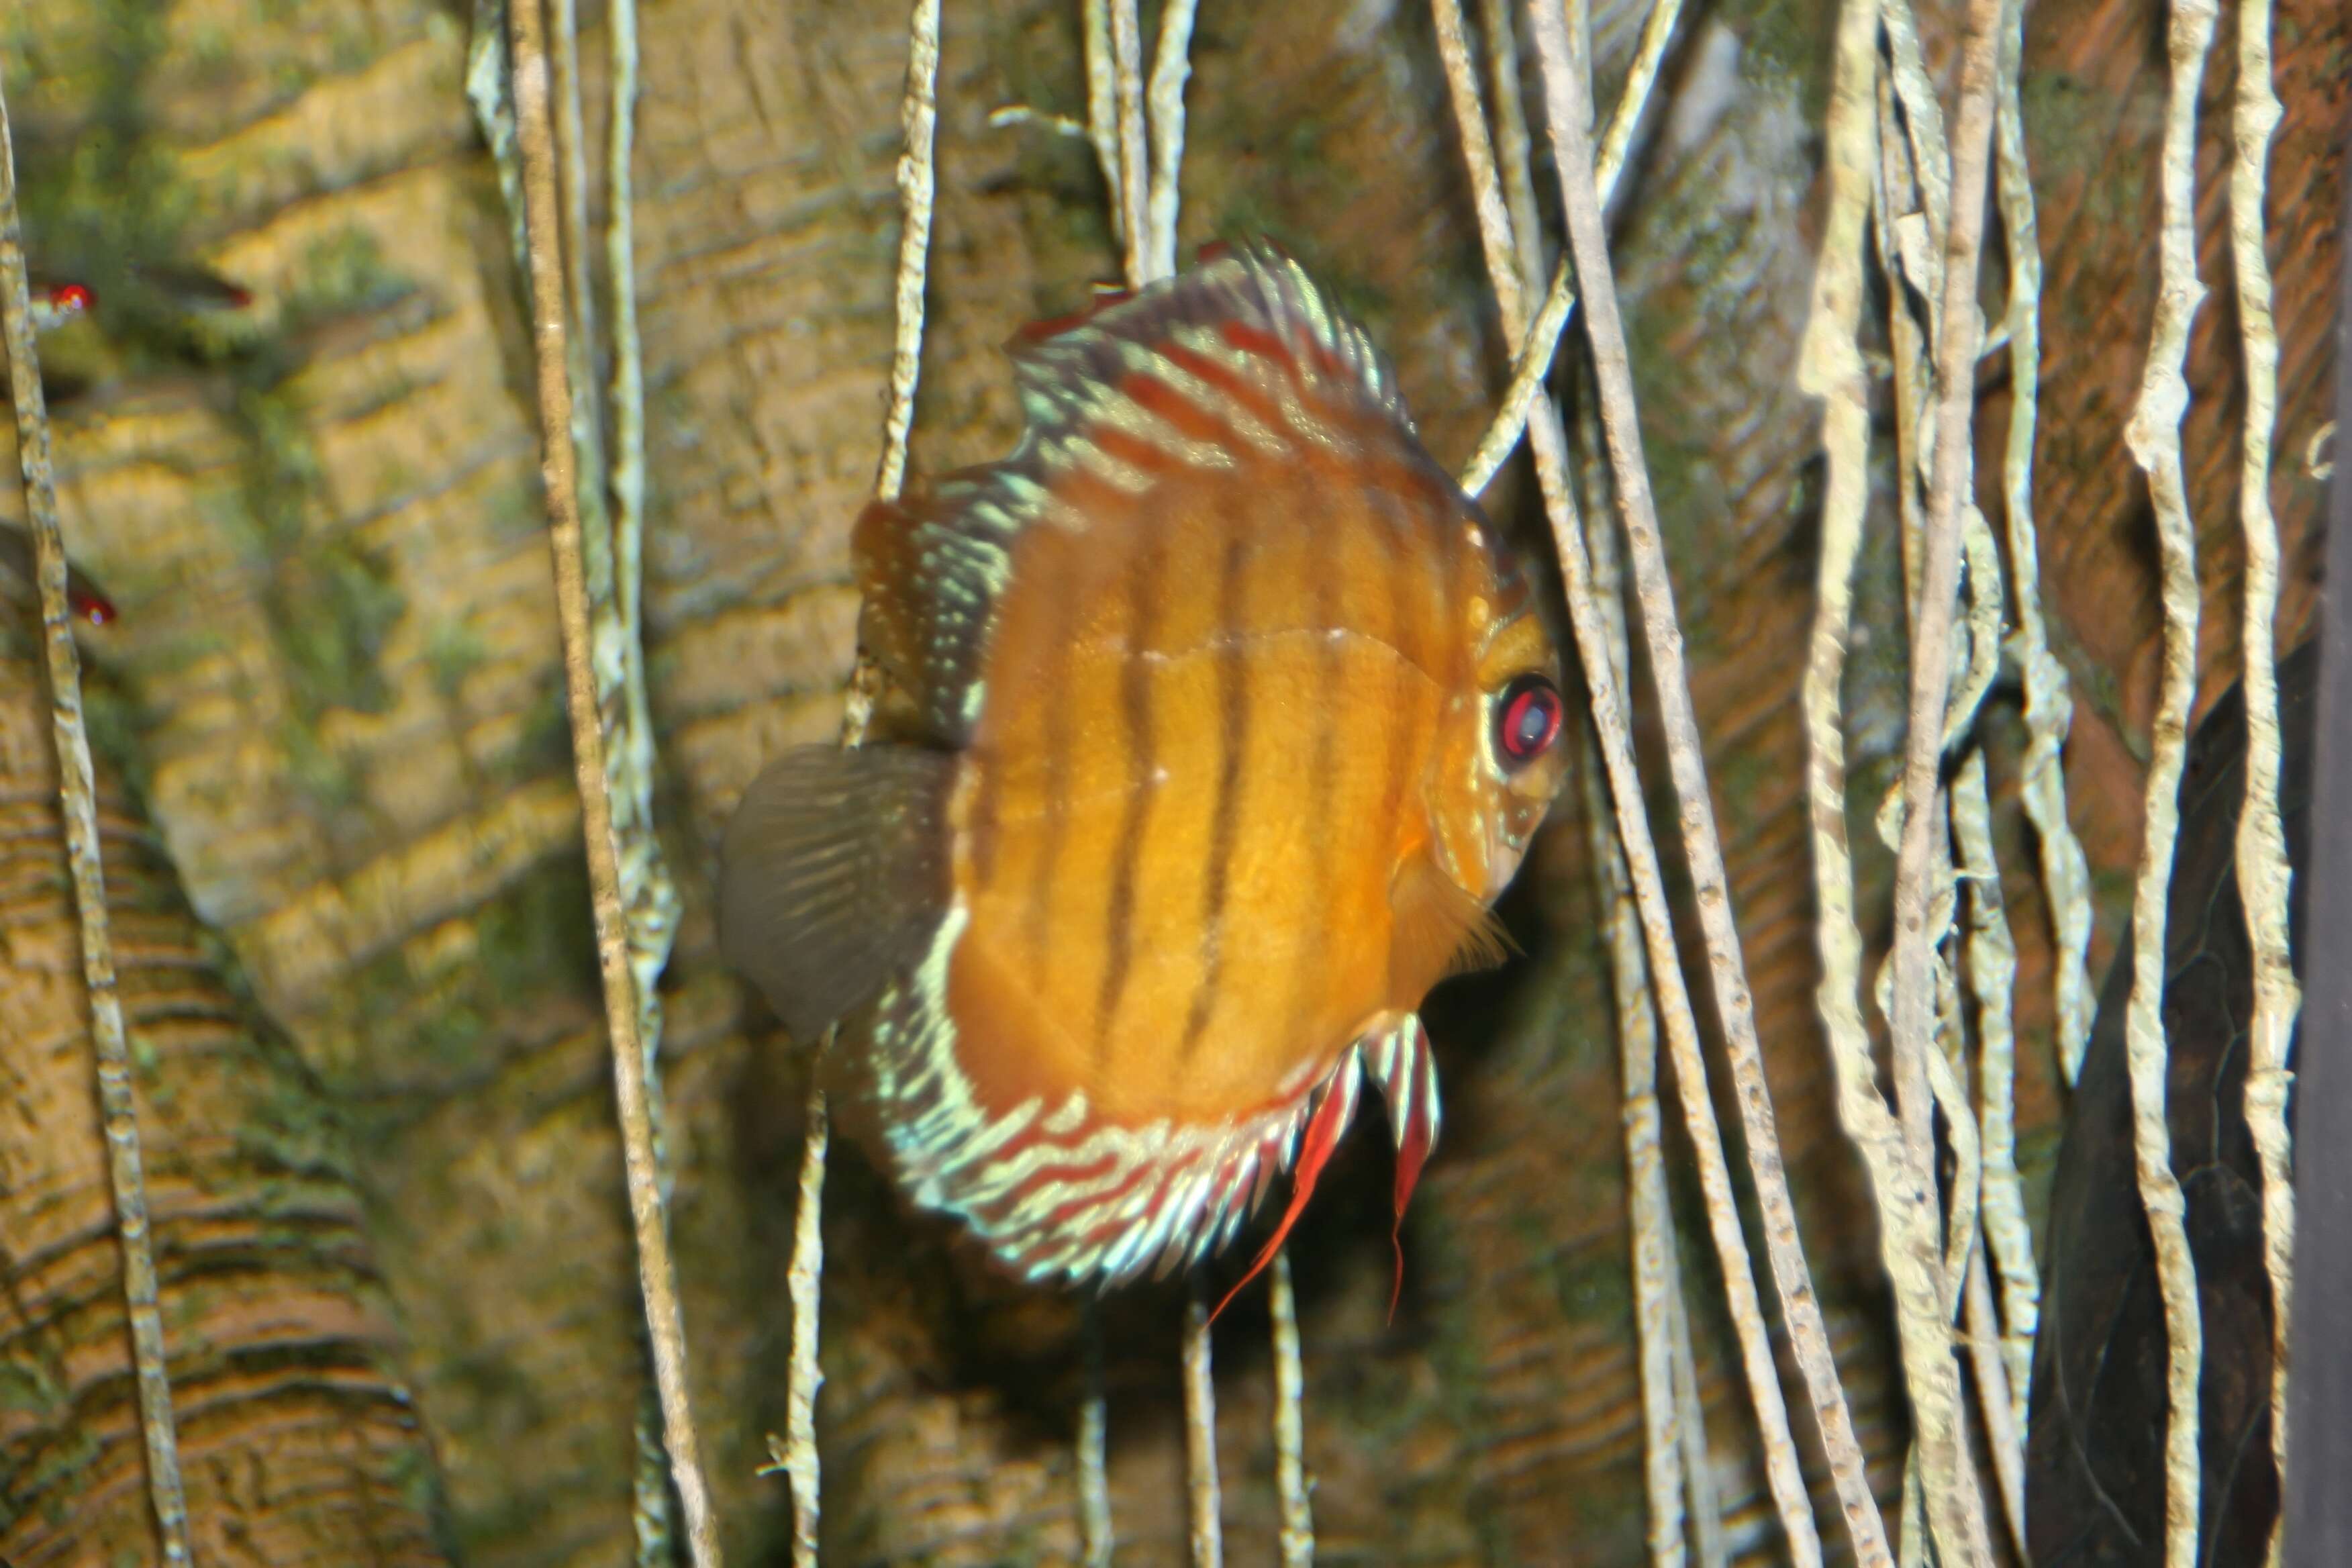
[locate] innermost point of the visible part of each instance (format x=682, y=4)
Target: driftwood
x=2096, y=1465
x=300, y=1437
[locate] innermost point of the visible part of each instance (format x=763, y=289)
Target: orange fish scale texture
x=1180, y=815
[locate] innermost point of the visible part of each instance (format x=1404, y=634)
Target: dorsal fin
x=1105, y=295
x=1241, y=361
x=1245, y=328
x=930, y=570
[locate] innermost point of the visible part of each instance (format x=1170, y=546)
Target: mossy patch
x=452, y=651
x=544, y=746
x=1791, y=40
x=342, y=273
x=100, y=196
x=2064, y=118
x=30, y=1386
x=330, y=778
x=436, y=1021
x=116, y=723
x=106, y=205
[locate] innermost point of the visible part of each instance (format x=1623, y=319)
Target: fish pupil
x=1529, y=718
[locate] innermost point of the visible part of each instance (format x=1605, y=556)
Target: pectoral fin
x=1441, y=928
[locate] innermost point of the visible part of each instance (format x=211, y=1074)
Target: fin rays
x=833, y=875
x=1241, y=361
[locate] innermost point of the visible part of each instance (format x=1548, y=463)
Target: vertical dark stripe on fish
x=1326, y=565
x=1234, y=705
x=1408, y=640
x=1054, y=691
x=1135, y=710
x=982, y=827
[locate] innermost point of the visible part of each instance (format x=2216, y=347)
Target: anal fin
x=1334, y=1109
x=1400, y=1064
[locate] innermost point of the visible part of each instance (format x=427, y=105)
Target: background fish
x=183, y=287
x=54, y=304
x=18, y=581
x=1214, y=718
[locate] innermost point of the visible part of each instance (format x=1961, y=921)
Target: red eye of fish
x=90, y=605
x=72, y=298
x=1526, y=720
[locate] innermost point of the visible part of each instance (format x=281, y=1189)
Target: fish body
x=184, y=287
x=192, y=288
x=1213, y=722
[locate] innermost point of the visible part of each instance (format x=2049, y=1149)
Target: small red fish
x=85, y=597
x=54, y=304
x=1215, y=719
x=184, y=287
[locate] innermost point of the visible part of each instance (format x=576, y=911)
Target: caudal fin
x=833, y=875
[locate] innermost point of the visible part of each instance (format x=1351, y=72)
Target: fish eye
x=1526, y=720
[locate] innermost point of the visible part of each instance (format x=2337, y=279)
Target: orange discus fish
x=1212, y=721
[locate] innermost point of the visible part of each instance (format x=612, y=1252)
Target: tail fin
x=833, y=875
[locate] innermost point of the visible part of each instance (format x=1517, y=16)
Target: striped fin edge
x=1054, y=1194
x=1241, y=361
x=1245, y=328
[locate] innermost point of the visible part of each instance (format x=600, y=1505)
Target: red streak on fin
x=1400, y=1064
x=1105, y=295
x=1244, y=396
x=1148, y=456
x=1294, y=358
x=1323, y=1131
x=194, y=288
x=1052, y=327
x=1412, y=1149
x=1156, y=396
x=1256, y=341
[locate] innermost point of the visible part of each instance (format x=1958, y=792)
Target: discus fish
x=1212, y=720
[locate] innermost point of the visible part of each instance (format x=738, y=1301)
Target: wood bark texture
x=300, y=1437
